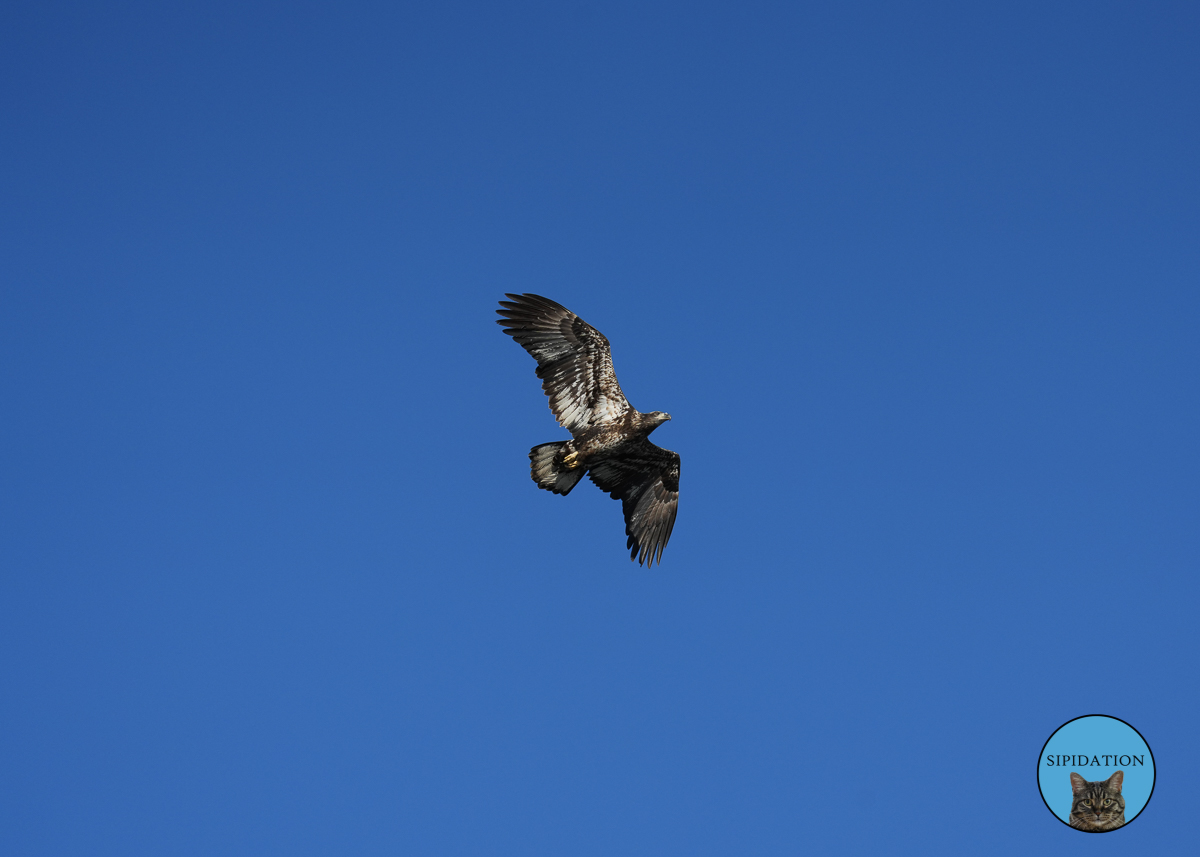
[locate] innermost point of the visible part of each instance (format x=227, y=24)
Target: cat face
x=1099, y=805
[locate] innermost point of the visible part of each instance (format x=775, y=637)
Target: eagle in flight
x=609, y=439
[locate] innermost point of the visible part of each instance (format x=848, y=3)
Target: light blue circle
x=1092, y=739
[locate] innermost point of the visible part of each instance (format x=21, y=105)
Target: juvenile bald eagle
x=608, y=437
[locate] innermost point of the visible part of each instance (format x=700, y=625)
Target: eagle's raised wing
x=573, y=358
x=645, y=478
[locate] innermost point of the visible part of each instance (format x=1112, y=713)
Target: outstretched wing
x=574, y=361
x=645, y=478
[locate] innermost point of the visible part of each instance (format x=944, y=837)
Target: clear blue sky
x=919, y=284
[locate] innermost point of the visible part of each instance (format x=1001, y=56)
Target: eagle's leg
x=571, y=458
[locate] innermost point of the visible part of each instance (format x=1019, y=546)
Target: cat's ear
x=1114, y=782
x=1077, y=783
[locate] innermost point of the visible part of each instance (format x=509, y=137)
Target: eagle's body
x=609, y=440
x=609, y=437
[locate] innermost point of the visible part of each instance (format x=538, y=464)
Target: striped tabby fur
x=1097, y=807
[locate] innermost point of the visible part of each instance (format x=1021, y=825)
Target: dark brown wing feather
x=645, y=478
x=574, y=361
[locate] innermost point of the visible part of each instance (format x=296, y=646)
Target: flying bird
x=609, y=439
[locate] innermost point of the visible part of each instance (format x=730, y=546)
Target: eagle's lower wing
x=574, y=361
x=645, y=478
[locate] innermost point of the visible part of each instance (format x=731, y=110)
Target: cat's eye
x=1107, y=802
x=1087, y=803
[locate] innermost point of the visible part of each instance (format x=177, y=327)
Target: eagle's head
x=656, y=418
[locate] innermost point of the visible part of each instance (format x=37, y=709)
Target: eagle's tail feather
x=548, y=470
